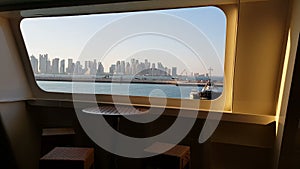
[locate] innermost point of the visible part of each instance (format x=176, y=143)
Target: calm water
x=154, y=90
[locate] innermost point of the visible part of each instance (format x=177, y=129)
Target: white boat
x=209, y=92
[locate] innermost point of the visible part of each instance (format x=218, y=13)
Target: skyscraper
x=112, y=69
x=153, y=66
x=86, y=66
x=128, y=69
x=43, y=63
x=147, y=64
x=122, y=67
x=133, y=66
x=136, y=67
x=78, y=68
x=94, y=67
x=160, y=66
x=174, y=71
x=118, y=67
x=62, y=67
x=34, y=64
x=48, y=67
x=70, y=68
x=55, y=67
x=100, y=69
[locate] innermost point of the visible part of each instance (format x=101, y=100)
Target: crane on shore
x=184, y=71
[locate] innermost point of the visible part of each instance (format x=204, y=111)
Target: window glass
x=174, y=53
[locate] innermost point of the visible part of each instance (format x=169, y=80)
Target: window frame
x=224, y=102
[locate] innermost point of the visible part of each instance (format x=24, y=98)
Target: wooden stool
x=177, y=157
x=56, y=137
x=68, y=158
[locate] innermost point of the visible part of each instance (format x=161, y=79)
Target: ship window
x=173, y=53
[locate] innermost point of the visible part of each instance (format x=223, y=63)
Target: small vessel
x=209, y=92
x=195, y=94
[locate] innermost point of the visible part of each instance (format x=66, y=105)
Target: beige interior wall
x=14, y=88
x=22, y=134
x=14, y=85
x=291, y=50
x=258, y=64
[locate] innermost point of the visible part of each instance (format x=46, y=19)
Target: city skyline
x=44, y=65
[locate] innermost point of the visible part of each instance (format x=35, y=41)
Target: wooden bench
x=68, y=158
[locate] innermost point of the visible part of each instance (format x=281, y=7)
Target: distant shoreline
x=120, y=80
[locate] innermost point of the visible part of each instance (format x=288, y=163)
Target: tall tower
x=112, y=69
x=118, y=67
x=122, y=67
x=133, y=66
x=62, y=67
x=70, y=68
x=147, y=64
x=128, y=69
x=43, y=63
x=174, y=71
x=55, y=67
x=153, y=66
x=34, y=64
x=100, y=69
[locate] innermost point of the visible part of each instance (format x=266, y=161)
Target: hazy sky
x=192, y=39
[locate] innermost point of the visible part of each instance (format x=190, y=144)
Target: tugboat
x=208, y=92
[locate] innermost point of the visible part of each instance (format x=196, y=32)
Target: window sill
x=170, y=111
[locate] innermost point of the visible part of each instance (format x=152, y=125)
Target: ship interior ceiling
x=259, y=121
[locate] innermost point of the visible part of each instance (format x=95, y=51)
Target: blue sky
x=194, y=40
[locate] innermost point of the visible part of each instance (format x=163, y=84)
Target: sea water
x=133, y=89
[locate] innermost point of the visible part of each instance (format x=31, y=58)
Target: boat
x=208, y=92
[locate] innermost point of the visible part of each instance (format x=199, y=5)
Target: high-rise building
x=122, y=67
x=92, y=67
x=169, y=71
x=174, y=71
x=62, y=67
x=34, y=64
x=48, y=67
x=70, y=68
x=43, y=63
x=136, y=67
x=140, y=67
x=55, y=67
x=128, y=69
x=153, y=66
x=166, y=71
x=86, y=67
x=78, y=68
x=118, y=67
x=160, y=66
x=100, y=69
x=147, y=64
x=133, y=66
x=112, y=69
